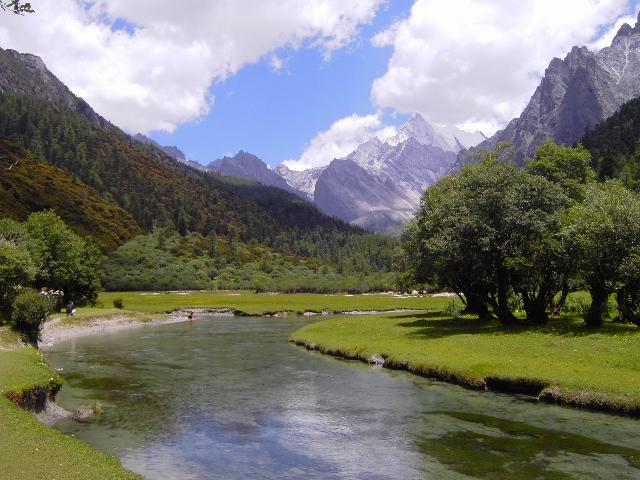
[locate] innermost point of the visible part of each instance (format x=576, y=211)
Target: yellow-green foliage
x=165, y=260
x=33, y=185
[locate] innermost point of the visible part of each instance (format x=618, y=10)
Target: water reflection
x=230, y=398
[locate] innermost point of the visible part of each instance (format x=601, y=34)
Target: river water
x=227, y=398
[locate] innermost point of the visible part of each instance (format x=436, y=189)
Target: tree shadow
x=437, y=325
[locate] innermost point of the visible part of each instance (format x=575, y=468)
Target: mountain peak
x=27, y=74
x=624, y=31
x=417, y=126
x=246, y=165
x=574, y=95
x=172, y=151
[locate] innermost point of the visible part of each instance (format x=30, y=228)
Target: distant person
x=70, y=309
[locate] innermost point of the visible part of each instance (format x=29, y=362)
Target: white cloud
x=276, y=63
x=158, y=75
x=607, y=37
x=475, y=63
x=342, y=138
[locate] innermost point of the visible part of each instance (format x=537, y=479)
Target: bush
x=576, y=306
x=452, y=309
x=29, y=312
x=118, y=303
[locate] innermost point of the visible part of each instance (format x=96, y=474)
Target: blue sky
x=149, y=66
x=275, y=114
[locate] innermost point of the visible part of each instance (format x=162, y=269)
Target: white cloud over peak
x=474, y=63
x=340, y=139
x=607, y=37
x=156, y=75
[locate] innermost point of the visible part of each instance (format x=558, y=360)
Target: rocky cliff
x=575, y=94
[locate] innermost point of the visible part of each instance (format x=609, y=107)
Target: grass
x=29, y=449
x=563, y=362
x=257, y=303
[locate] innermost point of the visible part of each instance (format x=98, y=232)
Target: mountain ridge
x=154, y=188
x=575, y=94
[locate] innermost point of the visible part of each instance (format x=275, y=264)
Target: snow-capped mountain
x=379, y=185
x=449, y=139
x=303, y=181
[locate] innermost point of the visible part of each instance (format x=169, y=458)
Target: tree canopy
x=506, y=239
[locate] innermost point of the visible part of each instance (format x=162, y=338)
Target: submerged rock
x=376, y=359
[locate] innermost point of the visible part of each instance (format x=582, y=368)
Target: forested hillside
x=28, y=185
x=615, y=145
x=165, y=260
x=157, y=190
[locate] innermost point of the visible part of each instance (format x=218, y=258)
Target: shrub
x=452, y=309
x=118, y=303
x=578, y=305
x=29, y=312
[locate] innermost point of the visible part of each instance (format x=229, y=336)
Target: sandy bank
x=56, y=330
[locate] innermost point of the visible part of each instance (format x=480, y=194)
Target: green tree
x=569, y=167
x=65, y=261
x=16, y=271
x=628, y=294
x=489, y=234
x=602, y=236
x=29, y=312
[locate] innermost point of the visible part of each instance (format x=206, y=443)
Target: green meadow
x=259, y=303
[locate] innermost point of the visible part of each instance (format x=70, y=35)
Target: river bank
x=29, y=448
x=595, y=370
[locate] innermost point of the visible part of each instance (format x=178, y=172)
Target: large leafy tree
x=570, y=168
x=491, y=234
x=603, y=237
x=64, y=260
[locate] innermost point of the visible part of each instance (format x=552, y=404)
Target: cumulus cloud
x=340, y=139
x=607, y=37
x=474, y=63
x=156, y=74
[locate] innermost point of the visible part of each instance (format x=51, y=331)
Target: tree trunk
x=536, y=311
x=595, y=315
x=556, y=308
x=476, y=306
x=504, y=313
x=628, y=306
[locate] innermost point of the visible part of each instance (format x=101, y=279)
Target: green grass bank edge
x=18, y=404
x=533, y=388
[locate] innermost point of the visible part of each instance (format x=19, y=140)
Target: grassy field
x=258, y=303
x=562, y=362
x=29, y=449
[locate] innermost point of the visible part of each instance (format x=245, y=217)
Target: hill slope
x=614, y=145
x=152, y=186
x=28, y=185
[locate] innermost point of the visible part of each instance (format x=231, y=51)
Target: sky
x=305, y=81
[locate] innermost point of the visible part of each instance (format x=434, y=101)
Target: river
x=227, y=398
